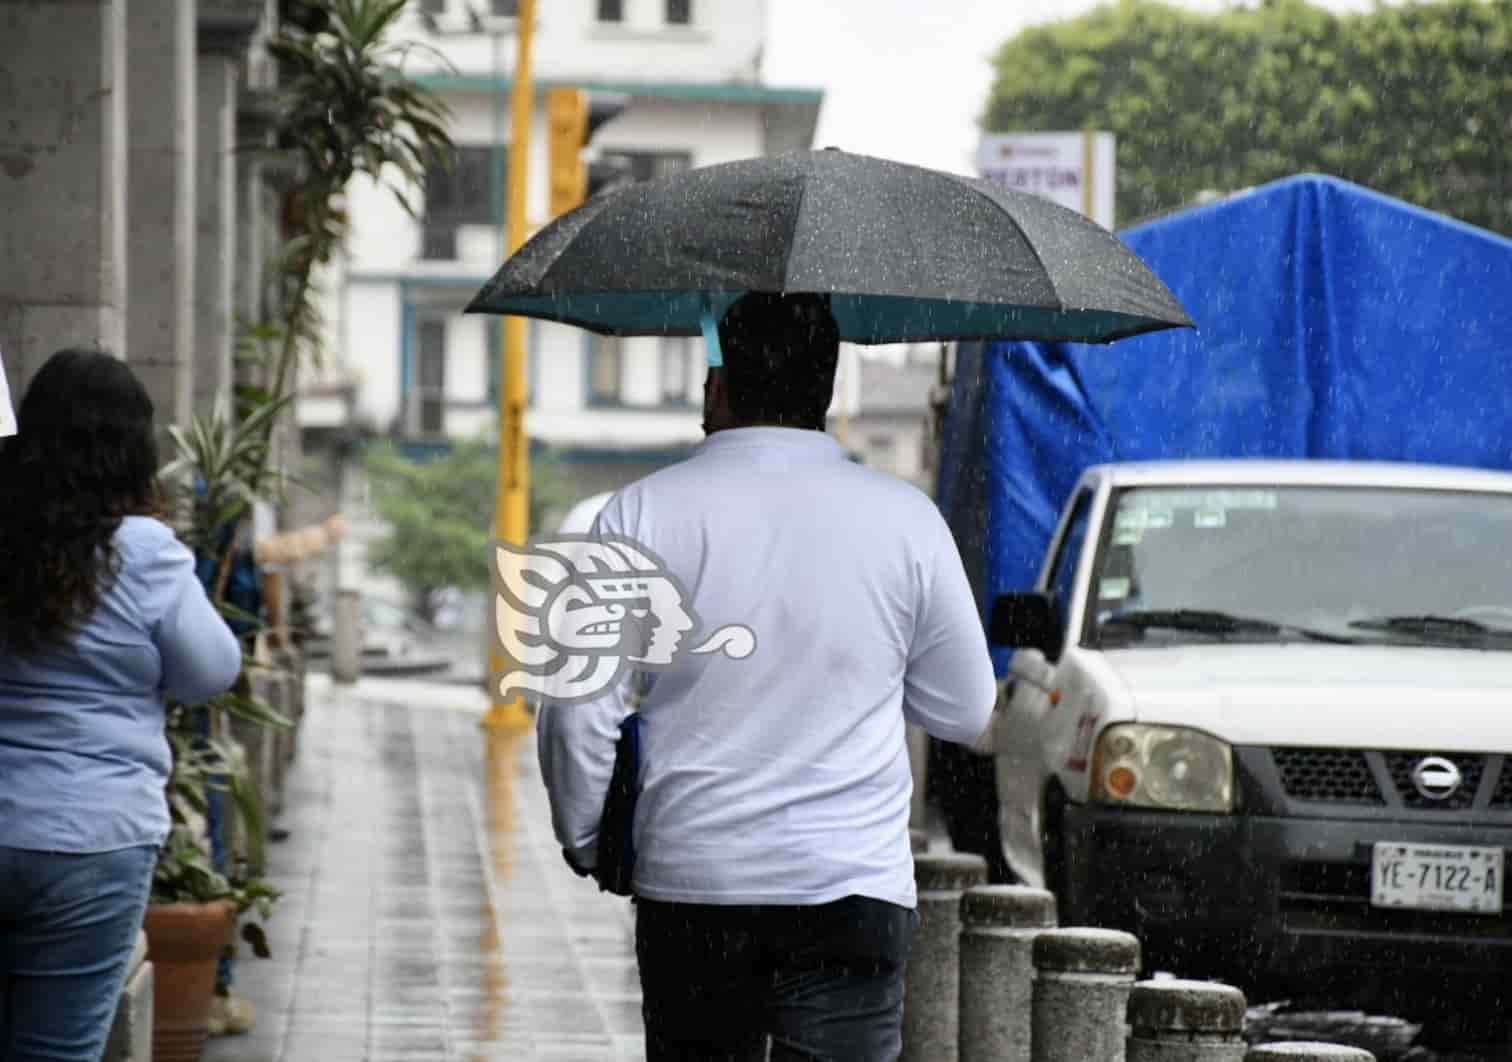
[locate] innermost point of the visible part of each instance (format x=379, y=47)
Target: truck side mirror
x=1026, y=621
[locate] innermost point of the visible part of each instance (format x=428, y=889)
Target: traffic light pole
x=512, y=505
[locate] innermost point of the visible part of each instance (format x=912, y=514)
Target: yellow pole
x=512, y=506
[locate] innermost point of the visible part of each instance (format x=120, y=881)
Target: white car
x=1261, y=716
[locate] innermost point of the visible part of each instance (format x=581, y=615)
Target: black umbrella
x=906, y=254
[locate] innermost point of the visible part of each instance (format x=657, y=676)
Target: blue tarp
x=1332, y=322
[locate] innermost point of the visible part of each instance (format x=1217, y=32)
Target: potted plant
x=195, y=908
x=197, y=904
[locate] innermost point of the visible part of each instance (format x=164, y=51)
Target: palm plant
x=347, y=109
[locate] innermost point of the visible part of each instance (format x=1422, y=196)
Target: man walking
x=774, y=876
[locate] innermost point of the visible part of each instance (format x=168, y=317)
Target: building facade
x=132, y=221
x=407, y=363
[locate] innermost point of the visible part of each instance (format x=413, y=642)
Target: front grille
x=1377, y=779
x=1336, y=776
x=1471, y=767
x=1502, y=796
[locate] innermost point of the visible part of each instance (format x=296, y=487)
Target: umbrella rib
x=903, y=218
x=1049, y=278
x=787, y=267
x=604, y=203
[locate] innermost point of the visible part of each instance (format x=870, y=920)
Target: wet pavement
x=428, y=916
x=427, y=912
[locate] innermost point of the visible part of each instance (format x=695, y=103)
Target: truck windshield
x=1367, y=565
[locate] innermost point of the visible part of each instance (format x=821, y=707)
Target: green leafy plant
x=344, y=109
x=437, y=511
x=1409, y=99
x=209, y=480
x=185, y=871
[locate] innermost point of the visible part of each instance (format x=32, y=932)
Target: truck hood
x=1334, y=695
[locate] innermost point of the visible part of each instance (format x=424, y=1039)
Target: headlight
x=1136, y=765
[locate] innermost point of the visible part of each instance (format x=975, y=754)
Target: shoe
x=215, y=1023
x=230, y=1015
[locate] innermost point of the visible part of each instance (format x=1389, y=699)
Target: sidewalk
x=427, y=914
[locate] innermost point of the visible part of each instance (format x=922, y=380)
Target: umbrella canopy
x=905, y=253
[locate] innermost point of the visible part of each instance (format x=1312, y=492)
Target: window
x=438, y=242
x=463, y=192
x=679, y=12
x=506, y=8
x=604, y=370
x=1067, y=554
x=646, y=165
x=674, y=370
x=430, y=378
x=611, y=10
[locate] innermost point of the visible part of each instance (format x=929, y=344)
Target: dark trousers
x=821, y=983
x=965, y=787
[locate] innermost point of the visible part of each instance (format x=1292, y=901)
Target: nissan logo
x=1436, y=778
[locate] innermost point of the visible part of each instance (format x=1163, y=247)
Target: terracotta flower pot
x=184, y=944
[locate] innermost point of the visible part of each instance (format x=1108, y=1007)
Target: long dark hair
x=83, y=457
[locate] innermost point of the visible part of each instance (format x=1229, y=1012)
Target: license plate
x=1435, y=877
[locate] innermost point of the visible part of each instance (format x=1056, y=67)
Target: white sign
x=1072, y=169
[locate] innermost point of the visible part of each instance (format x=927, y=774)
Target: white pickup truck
x=1260, y=714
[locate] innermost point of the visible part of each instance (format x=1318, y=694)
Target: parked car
x=395, y=639
x=1260, y=714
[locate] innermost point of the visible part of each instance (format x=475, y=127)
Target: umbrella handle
x=710, y=326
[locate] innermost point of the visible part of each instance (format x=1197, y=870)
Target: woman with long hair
x=100, y=614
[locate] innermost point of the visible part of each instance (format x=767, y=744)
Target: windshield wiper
x=1211, y=621
x=1454, y=628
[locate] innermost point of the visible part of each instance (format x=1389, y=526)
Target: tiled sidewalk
x=427, y=912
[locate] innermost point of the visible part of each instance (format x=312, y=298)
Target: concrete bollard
x=998, y=927
x=931, y=995
x=1082, y=979
x=346, y=648
x=1307, y=1052
x=1185, y=1021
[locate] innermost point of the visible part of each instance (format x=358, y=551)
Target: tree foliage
x=439, y=511
x=1411, y=100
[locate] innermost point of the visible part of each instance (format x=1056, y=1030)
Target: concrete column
x=63, y=139
x=1082, y=979
x=998, y=927
x=1304, y=1052
x=161, y=191
x=1185, y=1021
x=931, y=998
x=215, y=226
x=346, y=637
x=257, y=205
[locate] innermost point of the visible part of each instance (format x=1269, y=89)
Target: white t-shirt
x=783, y=777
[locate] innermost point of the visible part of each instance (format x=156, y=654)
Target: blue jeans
x=68, y=924
x=720, y=984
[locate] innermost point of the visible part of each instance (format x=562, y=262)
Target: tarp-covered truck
x=1258, y=668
